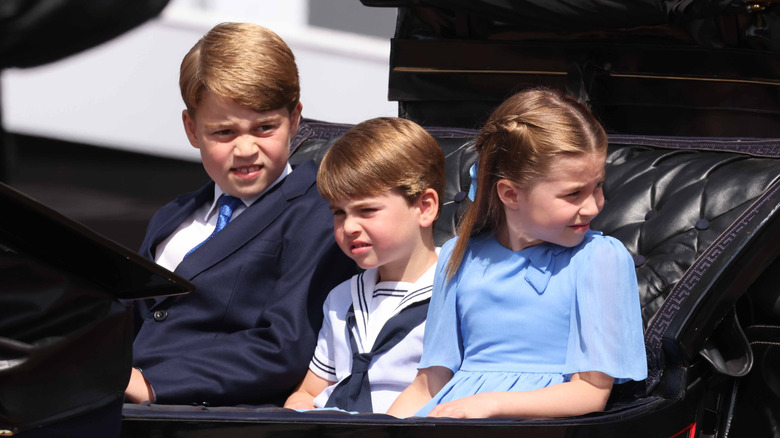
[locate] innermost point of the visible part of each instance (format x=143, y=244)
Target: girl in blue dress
x=533, y=314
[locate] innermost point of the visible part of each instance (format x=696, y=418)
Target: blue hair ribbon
x=473, y=186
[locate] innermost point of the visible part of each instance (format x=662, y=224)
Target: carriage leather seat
x=684, y=209
x=701, y=218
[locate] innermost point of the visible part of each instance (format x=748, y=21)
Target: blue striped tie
x=226, y=204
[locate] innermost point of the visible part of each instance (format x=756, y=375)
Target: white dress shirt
x=199, y=226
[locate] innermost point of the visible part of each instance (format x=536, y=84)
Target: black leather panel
x=668, y=205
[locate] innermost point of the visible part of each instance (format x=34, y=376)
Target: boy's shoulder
x=186, y=201
x=340, y=297
x=343, y=290
x=302, y=178
x=297, y=183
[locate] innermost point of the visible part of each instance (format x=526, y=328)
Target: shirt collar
x=246, y=200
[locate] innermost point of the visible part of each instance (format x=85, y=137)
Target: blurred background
x=97, y=135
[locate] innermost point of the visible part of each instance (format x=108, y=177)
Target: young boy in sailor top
x=384, y=179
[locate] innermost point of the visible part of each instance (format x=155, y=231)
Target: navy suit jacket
x=247, y=333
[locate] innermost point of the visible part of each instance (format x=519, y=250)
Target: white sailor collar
x=362, y=289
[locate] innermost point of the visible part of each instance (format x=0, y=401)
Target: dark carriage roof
x=683, y=68
x=46, y=237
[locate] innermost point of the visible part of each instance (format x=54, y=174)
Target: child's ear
x=295, y=119
x=508, y=193
x=428, y=202
x=189, y=128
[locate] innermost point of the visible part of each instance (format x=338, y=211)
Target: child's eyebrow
x=218, y=123
x=267, y=119
x=574, y=186
x=260, y=120
x=355, y=205
x=363, y=204
x=568, y=188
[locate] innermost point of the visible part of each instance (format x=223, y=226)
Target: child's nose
x=592, y=205
x=351, y=225
x=244, y=146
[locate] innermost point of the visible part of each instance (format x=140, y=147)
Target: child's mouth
x=247, y=171
x=359, y=248
x=581, y=228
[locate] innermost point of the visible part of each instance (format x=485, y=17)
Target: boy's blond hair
x=244, y=62
x=382, y=154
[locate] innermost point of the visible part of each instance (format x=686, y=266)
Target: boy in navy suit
x=255, y=240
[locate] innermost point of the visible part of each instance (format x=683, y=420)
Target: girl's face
x=557, y=208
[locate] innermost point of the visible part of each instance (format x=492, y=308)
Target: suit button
x=160, y=315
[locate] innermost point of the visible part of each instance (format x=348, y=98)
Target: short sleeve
x=442, y=343
x=606, y=332
x=323, y=362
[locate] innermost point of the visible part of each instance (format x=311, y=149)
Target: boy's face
x=384, y=231
x=242, y=150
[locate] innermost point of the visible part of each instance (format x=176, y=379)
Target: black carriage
x=690, y=95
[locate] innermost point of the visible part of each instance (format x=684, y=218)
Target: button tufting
x=459, y=197
x=650, y=214
x=702, y=224
x=160, y=315
x=639, y=260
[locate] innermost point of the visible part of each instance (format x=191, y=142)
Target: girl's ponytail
x=485, y=212
x=519, y=142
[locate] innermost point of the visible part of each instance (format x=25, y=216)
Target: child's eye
x=222, y=132
x=337, y=212
x=573, y=194
x=368, y=211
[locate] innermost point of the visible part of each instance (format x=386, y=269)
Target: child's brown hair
x=381, y=154
x=519, y=142
x=244, y=62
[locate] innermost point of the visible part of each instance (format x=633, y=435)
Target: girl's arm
x=303, y=396
x=586, y=392
x=427, y=383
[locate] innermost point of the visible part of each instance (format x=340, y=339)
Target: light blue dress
x=516, y=321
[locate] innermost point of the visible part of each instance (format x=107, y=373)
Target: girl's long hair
x=519, y=142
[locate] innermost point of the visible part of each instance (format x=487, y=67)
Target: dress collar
x=540, y=262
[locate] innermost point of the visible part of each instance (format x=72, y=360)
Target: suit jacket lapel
x=256, y=218
x=185, y=205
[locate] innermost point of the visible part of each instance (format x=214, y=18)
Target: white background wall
x=124, y=94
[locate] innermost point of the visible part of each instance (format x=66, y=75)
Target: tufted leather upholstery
x=668, y=200
x=668, y=205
